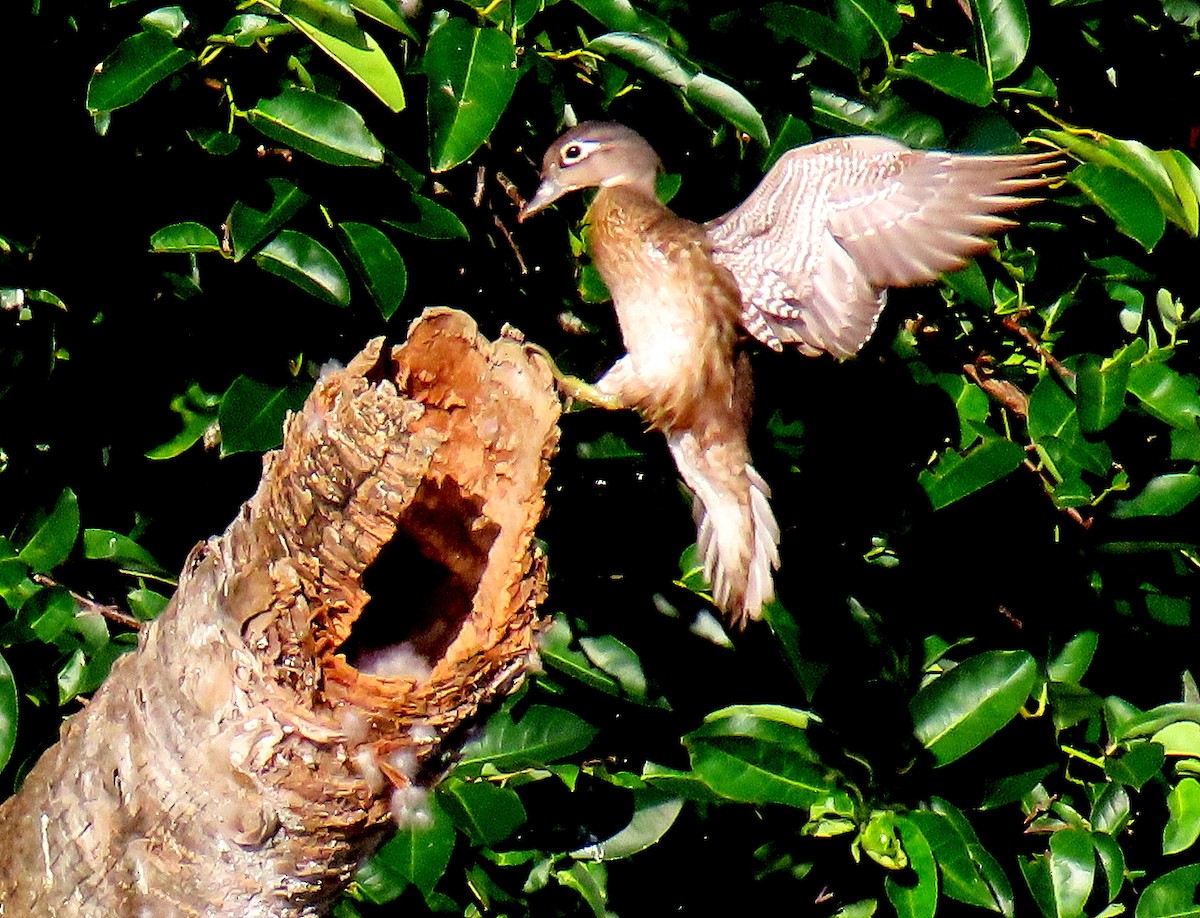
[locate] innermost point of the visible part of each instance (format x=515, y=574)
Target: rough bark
x=238, y=763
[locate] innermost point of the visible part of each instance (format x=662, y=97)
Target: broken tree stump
x=244, y=759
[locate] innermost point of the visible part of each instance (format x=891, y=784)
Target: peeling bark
x=238, y=763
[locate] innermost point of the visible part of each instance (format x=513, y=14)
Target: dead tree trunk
x=238, y=763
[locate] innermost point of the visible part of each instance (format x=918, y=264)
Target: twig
x=90, y=605
x=1013, y=324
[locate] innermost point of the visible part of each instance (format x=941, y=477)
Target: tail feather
x=736, y=533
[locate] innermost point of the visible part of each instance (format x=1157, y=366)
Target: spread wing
x=834, y=224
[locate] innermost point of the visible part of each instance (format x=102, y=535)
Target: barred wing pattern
x=835, y=223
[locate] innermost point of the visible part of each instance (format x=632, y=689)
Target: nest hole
x=423, y=583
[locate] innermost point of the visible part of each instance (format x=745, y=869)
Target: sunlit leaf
x=1003, y=30
x=962, y=708
x=8, y=712
x=252, y=414
x=653, y=815
x=427, y=218
x=185, y=237
x=105, y=545
x=299, y=258
x=486, y=812
x=1183, y=825
x=543, y=734
x=138, y=63
x=1163, y=495
x=419, y=854
x=1172, y=895
x=324, y=128
x=919, y=899
x=1131, y=204
x=250, y=227
x=956, y=76
x=955, y=475
x=378, y=264
x=814, y=31
x=54, y=538
x=472, y=74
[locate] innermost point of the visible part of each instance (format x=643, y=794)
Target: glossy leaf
x=1167, y=394
x=378, y=264
x=615, y=658
x=419, y=854
x=387, y=12
x=1172, y=895
x=1183, y=825
x=1130, y=204
x=814, y=31
x=556, y=651
x=8, y=712
x=918, y=900
x=252, y=414
x=1073, y=660
x=1061, y=880
x=957, y=711
x=49, y=612
x=185, y=237
x=55, y=536
x=657, y=59
x=472, y=74
x=1163, y=495
x=954, y=476
x=353, y=49
x=486, y=812
x=893, y=118
x=543, y=734
x=137, y=64
x=1100, y=391
x=324, y=128
x=759, y=754
x=1003, y=30
x=961, y=877
x=653, y=816
x=430, y=220
x=1137, y=766
x=956, y=76
x=105, y=545
x=170, y=20
x=299, y=258
x=250, y=227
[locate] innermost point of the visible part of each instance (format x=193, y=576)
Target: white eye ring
x=575, y=151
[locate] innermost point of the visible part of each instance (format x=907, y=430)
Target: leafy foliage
x=970, y=689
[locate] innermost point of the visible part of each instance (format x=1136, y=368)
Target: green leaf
x=1112, y=860
x=653, y=815
x=1183, y=826
x=326, y=129
x=814, y=31
x=954, y=476
x=430, y=221
x=185, y=237
x=378, y=264
x=955, y=76
x=1137, y=766
x=1100, y=387
x=615, y=658
x=544, y=734
x=918, y=900
x=146, y=604
x=952, y=843
x=170, y=20
x=1130, y=204
x=105, y=545
x=1061, y=880
x=50, y=545
x=299, y=258
x=1003, y=30
x=252, y=414
x=198, y=410
x=49, y=613
x=387, y=12
x=487, y=813
x=555, y=651
x=759, y=754
x=1074, y=659
x=472, y=74
x=657, y=59
x=249, y=227
x=352, y=48
x=1166, y=394
x=618, y=15
x=1163, y=495
x=1172, y=895
x=1155, y=171
x=137, y=64
x=8, y=712
x=420, y=854
x=962, y=708
x=893, y=118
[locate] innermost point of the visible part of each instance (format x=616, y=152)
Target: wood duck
x=805, y=260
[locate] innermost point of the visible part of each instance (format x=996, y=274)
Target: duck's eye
x=571, y=154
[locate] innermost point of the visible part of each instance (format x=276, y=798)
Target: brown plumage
x=805, y=260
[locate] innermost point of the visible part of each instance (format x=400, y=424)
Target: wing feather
x=833, y=224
